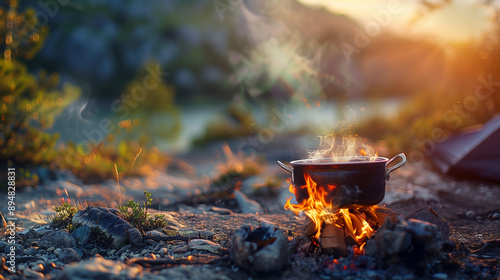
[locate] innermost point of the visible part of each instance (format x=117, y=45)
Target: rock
x=114, y=227
x=441, y=276
x=58, y=239
x=99, y=268
x=82, y=235
x=162, y=252
x=33, y=274
x=28, y=234
x=29, y=251
x=181, y=249
x=207, y=234
x=206, y=245
x=427, y=214
x=412, y=243
x=247, y=205
x=123, y=249
x=264, y=249
x=491, y=247
x=67, y=255
x=38, y=267
x=193, y=273
x=18, y=249
x=470, y=214
x=155, y=233
x=2, y=245
x=43, y=230
x=221, y=211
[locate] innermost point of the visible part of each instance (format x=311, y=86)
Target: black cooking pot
x=355, y=182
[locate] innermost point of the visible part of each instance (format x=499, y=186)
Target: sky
x=457, y=22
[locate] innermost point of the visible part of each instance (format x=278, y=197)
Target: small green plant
x=64, y=215
x=138, y=216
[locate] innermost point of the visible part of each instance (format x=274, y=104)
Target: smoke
x=342, y=148
x=280, y=54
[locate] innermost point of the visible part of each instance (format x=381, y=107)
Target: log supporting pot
x=349, y=182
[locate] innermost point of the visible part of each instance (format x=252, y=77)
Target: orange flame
x=320, y=211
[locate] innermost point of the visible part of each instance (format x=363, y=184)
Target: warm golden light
x=321, y=210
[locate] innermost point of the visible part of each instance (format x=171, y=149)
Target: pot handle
x=284, y=166
x=396, y=166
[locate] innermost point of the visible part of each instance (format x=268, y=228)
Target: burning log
x=332, y=240
x=346, y=227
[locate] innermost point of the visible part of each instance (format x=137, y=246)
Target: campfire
x=338, y=194
x=333, y=228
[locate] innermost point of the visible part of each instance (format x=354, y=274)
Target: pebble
x=32, y=274
x=99, y=268
x=181, y=249
x=68, y=255
x=155, y=233
x=162, y=252
x=440, y=276
x=123, y=249
x=50, y=249
x=495, y=216
x=196, y=233
x=205, y=245
x=29, y=251
x=123, y=257
x=58, y=239
x=221, y=211
x=41, y=231
x=470, y=214
x=371, y=274
x=38, y=267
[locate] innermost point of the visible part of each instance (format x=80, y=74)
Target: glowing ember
x=321, y=212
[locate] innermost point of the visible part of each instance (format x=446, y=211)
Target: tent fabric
x=472, y=154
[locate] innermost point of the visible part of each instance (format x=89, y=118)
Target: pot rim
x=317, y=162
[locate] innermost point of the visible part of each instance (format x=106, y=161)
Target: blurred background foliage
x=70, y=65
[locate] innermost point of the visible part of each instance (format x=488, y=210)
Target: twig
x=136, y=156
x=167, y=238
x=160, y=263
x=119, y=188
